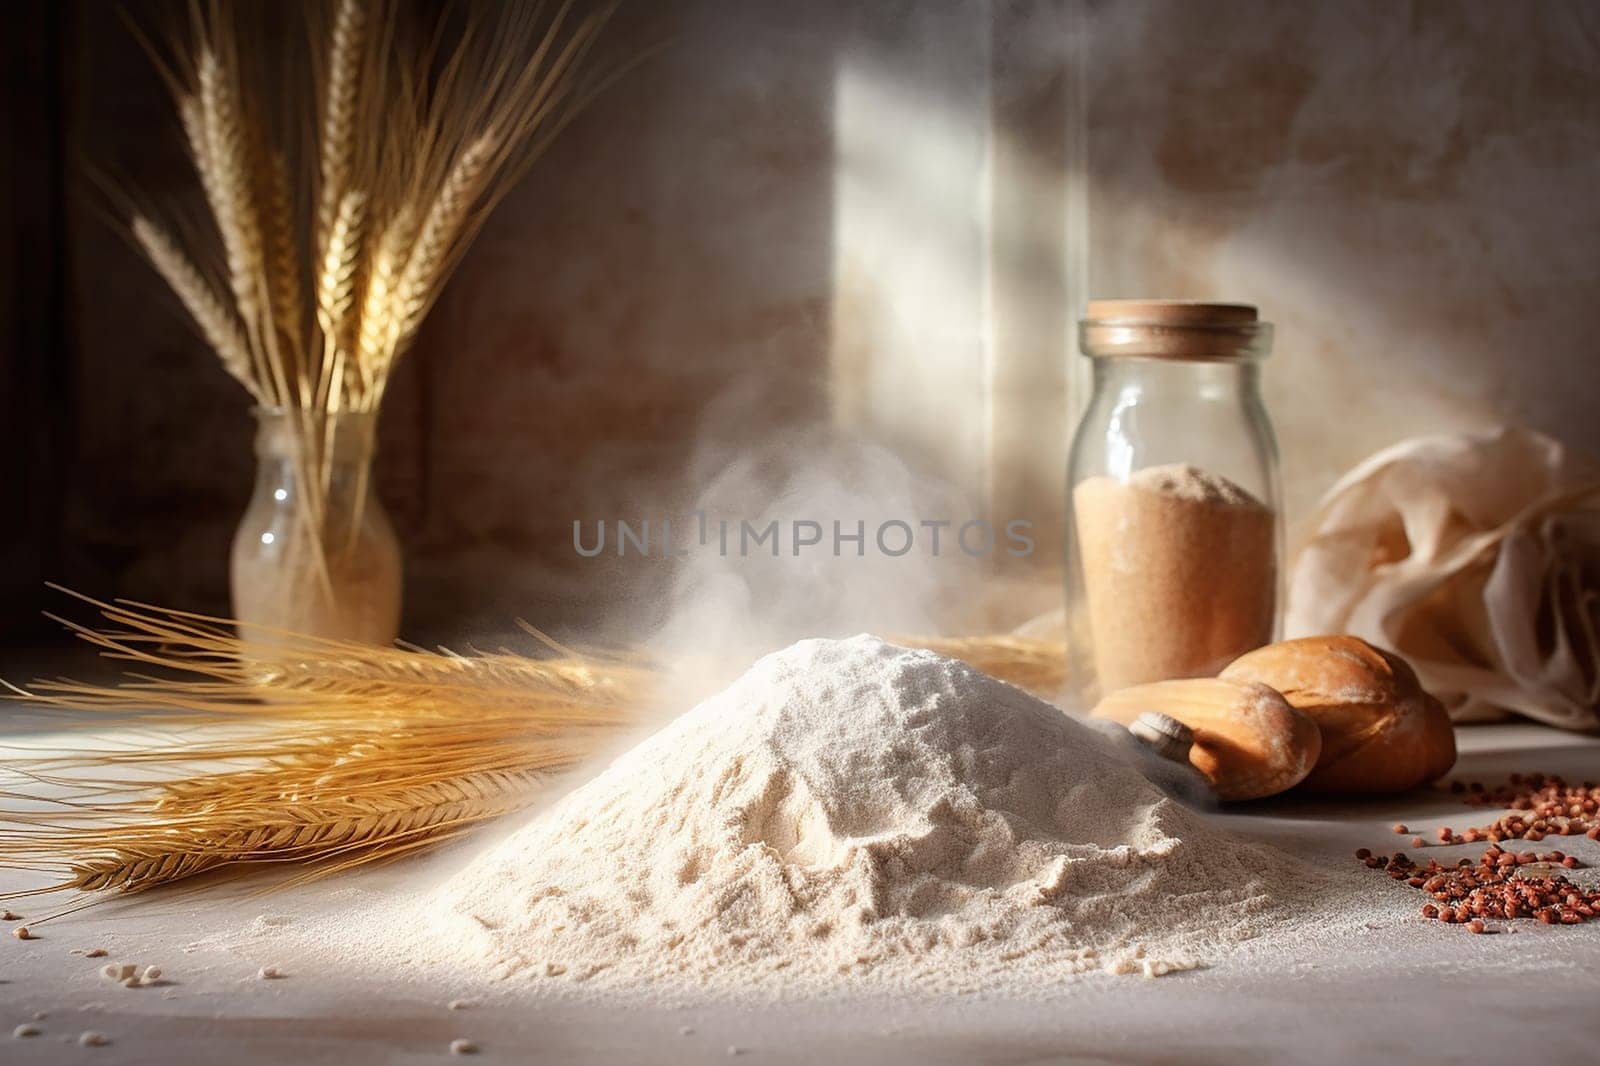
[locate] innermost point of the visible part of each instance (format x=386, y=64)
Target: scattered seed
x=1475, y=926
x=96, y=953
x=1444, y=834
x=10, y=916
x=1363, y=853
x=126, y=970
x=1400, y=829
x=459, y=1004
x=1540, y=805
x=90, y=1038
x=111, y=972
x=463, y=1047
x=22, y=932
x=1501, y=885
x=269, y=973
x=151, y=973
x=24, y=1030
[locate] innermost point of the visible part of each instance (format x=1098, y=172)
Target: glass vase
x=315, y=553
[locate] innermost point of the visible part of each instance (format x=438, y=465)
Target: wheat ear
x=338, y=116
x=340, y=261
x=418, y=283
x=194, y=131
x=227, y=154
x=377, y=319
x=182, y=843
x=217, y=323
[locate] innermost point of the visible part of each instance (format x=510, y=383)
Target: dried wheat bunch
x=331, y=756
x=345, y=178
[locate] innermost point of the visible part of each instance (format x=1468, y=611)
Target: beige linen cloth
x=1475, y=557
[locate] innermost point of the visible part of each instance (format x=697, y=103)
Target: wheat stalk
x=418, y=283
x=217, y=324
x=230, y=184
x=183, y=837
x=283, y=257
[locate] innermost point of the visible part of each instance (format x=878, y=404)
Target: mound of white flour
x=854, y=813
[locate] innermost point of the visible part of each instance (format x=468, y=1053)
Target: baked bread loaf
x=1380, y=731
x=1248, y=741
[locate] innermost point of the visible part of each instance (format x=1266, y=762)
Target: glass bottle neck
x=348, y=439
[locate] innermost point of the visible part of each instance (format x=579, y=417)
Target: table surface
x=1403, y=986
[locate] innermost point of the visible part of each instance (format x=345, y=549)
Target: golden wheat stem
x=217, y=323
x=232, y=204
x=283, y=259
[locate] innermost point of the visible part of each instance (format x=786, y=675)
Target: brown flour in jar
x=1179, y=573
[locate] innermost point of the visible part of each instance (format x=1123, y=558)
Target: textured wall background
x=692, y=275
x=1408, y=189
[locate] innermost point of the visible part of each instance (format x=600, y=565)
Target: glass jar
x=1175, y=534
x=315, y=553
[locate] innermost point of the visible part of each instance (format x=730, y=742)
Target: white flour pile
x=854, y=813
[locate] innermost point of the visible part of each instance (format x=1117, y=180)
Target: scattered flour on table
x=852, y=814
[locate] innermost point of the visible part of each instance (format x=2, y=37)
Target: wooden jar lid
x=1174, y=329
